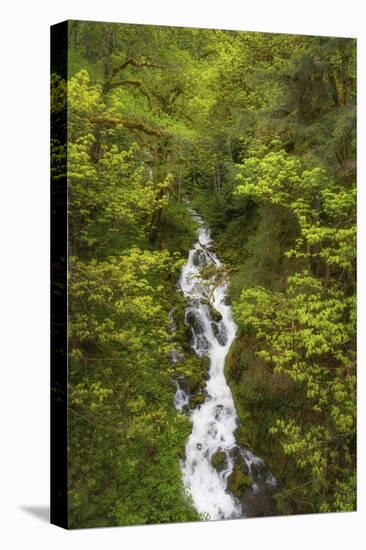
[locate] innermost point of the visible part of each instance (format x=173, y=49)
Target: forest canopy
x=257, y=132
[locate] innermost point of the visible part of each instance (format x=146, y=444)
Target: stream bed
x=212, y=439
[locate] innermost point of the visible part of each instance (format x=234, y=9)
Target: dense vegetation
x=258, y=132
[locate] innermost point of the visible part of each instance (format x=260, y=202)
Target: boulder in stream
x=215, y=314
x=218, y=460
x=194, y=321
x=197, y=400
x=219, y=332
x=199, y=258
x=238, y=481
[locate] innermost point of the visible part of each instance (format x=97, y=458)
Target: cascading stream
x=215, y=420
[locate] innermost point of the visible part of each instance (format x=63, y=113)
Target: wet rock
x=218, y=460
x=197, y=400
x=201, y=345
x=199, y=258
x=239, y=460
x=227, y=300
x=242, y=464
x=215, y=329
x=191, y=384
x=194, y=321
x=205, y=363
x=213, y=312
x=259, y=471
x=218, y=411
x=219, y=333
x=180, y=399
x=222, y=338
x=238, y=482
x=222, y=335
x=216, y=315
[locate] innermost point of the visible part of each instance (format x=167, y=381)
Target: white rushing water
x=213, y=422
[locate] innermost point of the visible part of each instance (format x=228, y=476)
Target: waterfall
x=215, y=420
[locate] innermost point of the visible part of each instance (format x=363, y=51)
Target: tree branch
x=129, y=124
x=123, y=82
x=127, y=81
x=136, y=63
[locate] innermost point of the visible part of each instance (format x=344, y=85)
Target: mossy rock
x=199, y=258
x=219, y=332
x=238, y=481
x=218, y=460
x=197, y=400
x=205, y=363
x=215, y=329
x=242, y=437
x=228, y=300
x=195, y=379
x=182, y=333
x=182, y=336
x=194, y=322
x=182, y=452
x=216, y=315
x=191, y=383
x=239, y=460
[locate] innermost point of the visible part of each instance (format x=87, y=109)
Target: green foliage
x=324, y=209
x=258, y=132
x=308, y=329
x=123, y=426
x=125, y=436
x=287, y=131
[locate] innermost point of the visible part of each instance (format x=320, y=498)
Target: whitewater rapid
x=215, y=420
